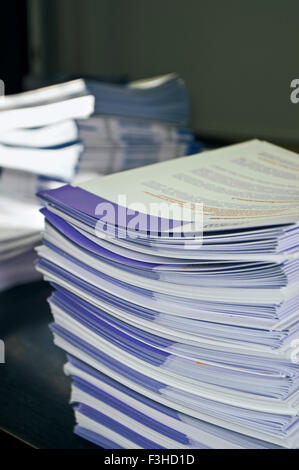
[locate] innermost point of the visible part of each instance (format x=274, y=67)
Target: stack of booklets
x=137, y=124
x=133, y=125
x=38, y=150
x=20, y=227
x=162, y=99
x=117, y=143
x=176, y=300
x=38, y=132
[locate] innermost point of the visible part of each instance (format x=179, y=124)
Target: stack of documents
x=20, y=228
x=39, y=150
x=114, y=144
x=38, y=130
x=136, y=125
x=162, y=99
x=176, y=300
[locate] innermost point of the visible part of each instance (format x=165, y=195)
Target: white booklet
x=44, y=95
x=41, y=115
x=58, y=164
x=61, y=133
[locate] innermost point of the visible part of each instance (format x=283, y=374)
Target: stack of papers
x=136, y=125
x=38, y=130
x=39, y=150
x=20, y=228
x=163, y=99
x=180, y=319
x=113, y=144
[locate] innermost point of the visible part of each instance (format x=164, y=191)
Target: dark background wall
x=13, y=44
x=237, y=57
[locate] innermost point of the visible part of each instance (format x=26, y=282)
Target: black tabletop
x=34, y=392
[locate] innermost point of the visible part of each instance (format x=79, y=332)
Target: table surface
x=34, y=392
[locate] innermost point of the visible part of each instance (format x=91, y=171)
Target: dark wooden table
x=34, y=392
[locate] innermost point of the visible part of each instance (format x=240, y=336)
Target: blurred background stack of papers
x=70, y=131
x=181, y=332
x=137, y=124
x=116, y=143
x=39, y=149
